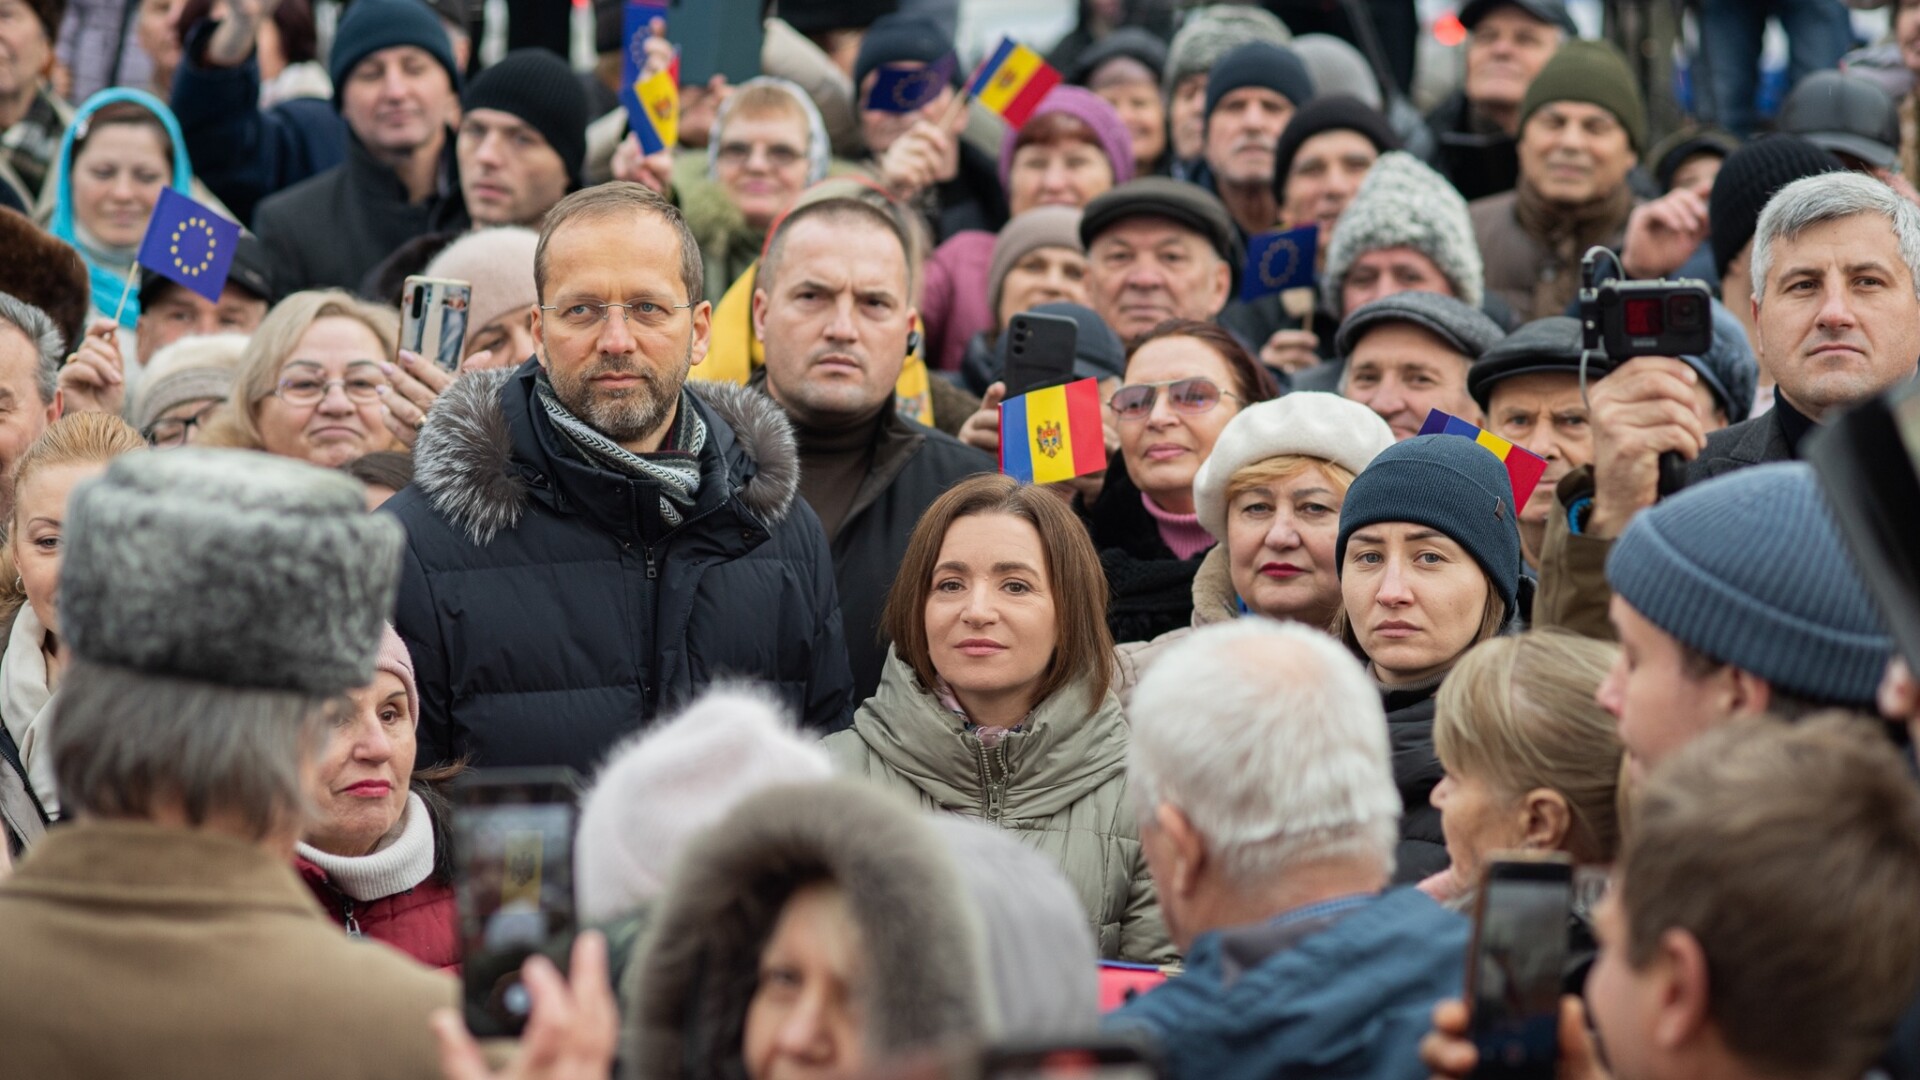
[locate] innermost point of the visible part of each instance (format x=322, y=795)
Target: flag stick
x=126, y=291
x=954, y=109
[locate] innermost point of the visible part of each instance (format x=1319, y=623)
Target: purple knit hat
x=1093, y=110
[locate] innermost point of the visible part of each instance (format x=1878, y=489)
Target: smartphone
x=433, y=319
x=1095, y=1059
x=1515, y=965
x=1039, y=352
x=512, y=839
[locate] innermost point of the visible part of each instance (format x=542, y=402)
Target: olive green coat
x=1058, y=785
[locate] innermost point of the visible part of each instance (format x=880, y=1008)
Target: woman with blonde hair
x=72, y=450
x=996, y=701
x=1532, y=762
x=312, y=381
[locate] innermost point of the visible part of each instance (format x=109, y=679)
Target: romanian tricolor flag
x=1524, y=467
x=1012, y=82
x=653, y=110
x=1053, y=434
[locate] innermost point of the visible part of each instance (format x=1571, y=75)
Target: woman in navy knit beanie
x=1429, y=563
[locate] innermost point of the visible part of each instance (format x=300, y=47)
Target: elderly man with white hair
x=1269, y=816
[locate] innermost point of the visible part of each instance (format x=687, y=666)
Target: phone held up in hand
x=433, y=319
x=513, y=878
x=1516, y=962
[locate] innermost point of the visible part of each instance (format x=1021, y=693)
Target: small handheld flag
x=1524, y=467
x=1053, y=434
x=1012, y=82
x=1278, y=261
x=653, y=111
x=636, y=25
x=899, y=89
x=189, y=244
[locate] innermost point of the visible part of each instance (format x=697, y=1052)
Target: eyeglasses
x=1189, y=396
x=737, y=153
x=303, y=389
x=586, y=314
x=169, y=433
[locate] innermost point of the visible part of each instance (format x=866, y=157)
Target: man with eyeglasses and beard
x=592, y=539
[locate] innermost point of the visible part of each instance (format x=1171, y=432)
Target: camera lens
x=1686, y=312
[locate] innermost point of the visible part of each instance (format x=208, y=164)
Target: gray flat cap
x=1465, y=329
x=230, y=567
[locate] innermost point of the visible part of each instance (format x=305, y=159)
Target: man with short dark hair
x=592, y=540
x=832, y=310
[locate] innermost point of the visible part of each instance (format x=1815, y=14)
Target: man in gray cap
x=1409, y=353
x=1158, y=249
x=164, y=932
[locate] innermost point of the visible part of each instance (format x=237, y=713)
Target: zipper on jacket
x=347, y=916
x=995, y=785
x=652, y=570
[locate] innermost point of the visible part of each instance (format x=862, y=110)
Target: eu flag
x=1278, y=261
x=636, y=25
x=899, y=89
x=189, y=244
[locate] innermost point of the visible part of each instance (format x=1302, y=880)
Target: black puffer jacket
x=543, y=627
x=1416, y=772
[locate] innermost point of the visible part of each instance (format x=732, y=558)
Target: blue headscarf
x=109, y=283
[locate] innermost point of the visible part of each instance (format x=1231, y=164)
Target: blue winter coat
x=547, y=618
x=1350, y=1002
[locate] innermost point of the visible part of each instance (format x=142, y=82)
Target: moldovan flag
x=654, y=111
x=1524, y=467
x=189, y=244
x=1053, y=434
x=1012, y=82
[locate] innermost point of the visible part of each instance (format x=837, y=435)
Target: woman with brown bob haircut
x=996, y=701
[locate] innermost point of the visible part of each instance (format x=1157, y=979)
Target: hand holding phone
x=433, y=319
x=1515, y=965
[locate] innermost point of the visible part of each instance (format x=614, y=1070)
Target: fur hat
x=669, y=782
x=1307, y=423
x=1211, y=33
x=499, y=264
x=46, y=271
x=1404, y=203
x=229, y=567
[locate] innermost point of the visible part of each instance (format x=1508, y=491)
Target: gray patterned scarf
x=675, y=466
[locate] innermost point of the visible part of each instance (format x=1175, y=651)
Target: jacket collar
x=1066, y=748
x=481, y=457
x=446, y=207
x=152, y=865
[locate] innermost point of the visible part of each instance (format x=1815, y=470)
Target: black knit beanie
x=372, y=25
x=820, y=16
x=1263, y=64
x=539, y=88
x=897, y=39
x=1593, y=72
x=1337, y=112
x=1449, y=484
x=1747, y=179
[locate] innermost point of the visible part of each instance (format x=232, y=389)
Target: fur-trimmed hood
x=925, y=958
x=465, y=461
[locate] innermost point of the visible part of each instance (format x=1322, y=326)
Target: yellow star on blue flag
x=1278, y=261
x=899, y=89
x=189, y=244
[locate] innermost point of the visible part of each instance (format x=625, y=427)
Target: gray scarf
x=675, y=466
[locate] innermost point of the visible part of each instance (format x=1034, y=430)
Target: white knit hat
x=673, y=780
x=1306, y=423
x=1404, y=203
x=499, y=264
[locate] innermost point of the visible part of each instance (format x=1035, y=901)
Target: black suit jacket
x=1749, y=442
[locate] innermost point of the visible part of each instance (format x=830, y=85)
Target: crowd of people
x=885, y=754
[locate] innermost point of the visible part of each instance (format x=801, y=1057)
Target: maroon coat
x=421, y=922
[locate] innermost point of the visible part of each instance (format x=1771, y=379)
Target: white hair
x=1815, y=200
x=1272, y=741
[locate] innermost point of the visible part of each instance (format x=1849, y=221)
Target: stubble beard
x=623, y=415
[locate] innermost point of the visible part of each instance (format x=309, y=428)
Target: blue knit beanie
x=372, y=25
x=1750, y=569
x=1447, y=483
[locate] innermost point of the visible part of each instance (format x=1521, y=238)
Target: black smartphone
x=1095, y=1059
x=433, y=319
x=1039, y=352
x=1515, y=965
x=513, y=878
